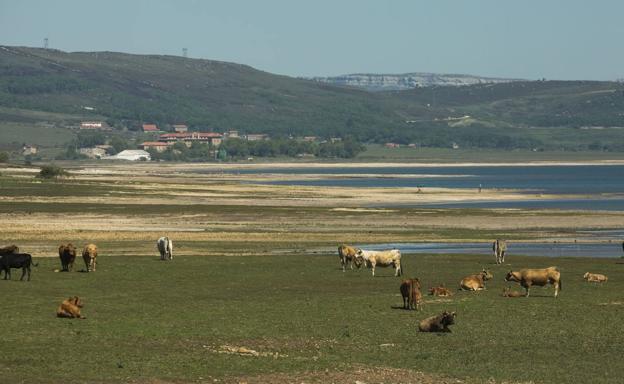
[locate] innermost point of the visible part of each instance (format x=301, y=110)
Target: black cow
x=16, y=260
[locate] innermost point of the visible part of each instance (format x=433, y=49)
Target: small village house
x=99, y=125
x=150, y=128
x=28, y=150
x=256, y=136
x=158, y=146
x=189, y=138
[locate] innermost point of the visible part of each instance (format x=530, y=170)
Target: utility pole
x=184, y=52
x=45, y=43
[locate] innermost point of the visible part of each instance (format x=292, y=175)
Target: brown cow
x=70, y=308
x=595, y=277
x=89, y=255
x=507, y=292
x=440, y=291
x=67, y=254
x=348, y=254
x=9, y=249
x=539, y=277
x=475, y=282
x=438, y=323
x=412, y=297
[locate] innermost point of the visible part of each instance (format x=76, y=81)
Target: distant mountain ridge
x=400, y=82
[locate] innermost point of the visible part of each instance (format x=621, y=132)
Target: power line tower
x=184, y=52
x=45, y=43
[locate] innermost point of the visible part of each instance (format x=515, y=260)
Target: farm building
x=150, y=128
x=132, y=155
x=159, y=146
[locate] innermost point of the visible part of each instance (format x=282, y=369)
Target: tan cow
x=348, y=254
x=539, y=277
x=70, y=308
x=89, y=255
x=441, y=291
x=382, y=258
x=412, y=297
x=595, y=277
x=438, y=323
x=499, y=247
x=475, y=282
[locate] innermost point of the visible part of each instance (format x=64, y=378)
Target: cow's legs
x=527, y=291
x=93, y=261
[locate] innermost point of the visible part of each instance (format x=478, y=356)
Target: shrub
x=52, y=172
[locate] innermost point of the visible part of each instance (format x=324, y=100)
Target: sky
x=529, y=39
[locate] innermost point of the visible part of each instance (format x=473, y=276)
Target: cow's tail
x=560, y=284
x=401, y=266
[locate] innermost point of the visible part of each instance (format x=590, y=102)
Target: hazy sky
x=565, y=39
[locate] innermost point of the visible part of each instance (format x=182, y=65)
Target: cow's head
x=448, y=318
x=487, y=275
x=512, y=276
x=76, y=301
x=586, y=275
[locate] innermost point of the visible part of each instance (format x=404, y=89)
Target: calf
x=440, y=291
x=539, y=277
x=412, y=297
x=595, y=277
x=16, y=260
x=507, y=292
x=438, y=323
x=347, y=255
x=475, y=282
x=382, y=258
x=70, y=308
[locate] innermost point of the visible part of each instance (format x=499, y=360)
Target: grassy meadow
x=255, y=267
x=154, y=321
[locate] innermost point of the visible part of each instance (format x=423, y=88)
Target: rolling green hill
x=38, y=85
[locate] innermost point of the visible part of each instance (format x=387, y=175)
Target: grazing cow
x=540, y=277
x=475, y=282
x=412, y=297
x=507, y=292
x=440, y=291
x=165, y=247
x=595, y=277
x=438, y=323
x=70, y=308
x=16, y=260
x=382, y=258
x=9, y=249
x=499, y=247
x=348, y=254
x=89, y=255
x=67, y=254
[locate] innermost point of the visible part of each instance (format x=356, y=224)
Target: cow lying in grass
x=441, y=291
x=540, y=277
x=16, y=260
x=475, y=282
x=70, y=308
x=412, y=297
x=595, y=277
x=382, y=258
x=507, y=292
x=348, y=255
x=438, y=323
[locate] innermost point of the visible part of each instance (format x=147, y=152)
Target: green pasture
x=154, y=321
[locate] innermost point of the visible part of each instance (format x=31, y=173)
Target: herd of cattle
x=11, y=258
x=411, y=289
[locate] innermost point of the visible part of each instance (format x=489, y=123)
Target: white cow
x=382, y=258
x=165, y=247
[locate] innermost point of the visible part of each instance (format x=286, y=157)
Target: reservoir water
x=603, y=184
